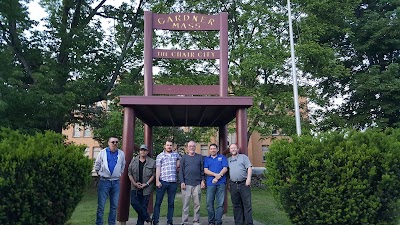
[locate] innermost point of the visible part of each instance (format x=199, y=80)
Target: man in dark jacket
x=141, y=172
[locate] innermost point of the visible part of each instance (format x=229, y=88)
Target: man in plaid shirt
x=167, y=165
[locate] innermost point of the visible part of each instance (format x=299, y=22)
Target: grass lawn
x=264, y=209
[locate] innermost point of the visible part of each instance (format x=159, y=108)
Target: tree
x=348, y=177
x=48, y=74
x=354, y=56
x=47, y=176
x=258, y=46
x=74, y=62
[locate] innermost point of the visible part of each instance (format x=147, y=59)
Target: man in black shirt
x=192, y=180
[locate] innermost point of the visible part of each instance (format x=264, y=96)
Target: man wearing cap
x=141, y=172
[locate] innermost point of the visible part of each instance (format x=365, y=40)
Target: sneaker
x=211, y=224
x=196, y=223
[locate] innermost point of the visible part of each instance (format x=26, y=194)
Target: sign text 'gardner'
x=186, y=21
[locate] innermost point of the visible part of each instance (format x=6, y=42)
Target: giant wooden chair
x=181, y=105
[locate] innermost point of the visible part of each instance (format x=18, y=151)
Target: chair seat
x=186, y=110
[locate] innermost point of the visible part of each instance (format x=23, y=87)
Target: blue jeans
x=170, y=188
x=104, y=189
x=216, y=193
x=140, y=202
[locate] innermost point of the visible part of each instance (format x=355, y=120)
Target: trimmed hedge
x=338, y=178
x=42, y=179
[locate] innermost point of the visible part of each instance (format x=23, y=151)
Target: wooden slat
x=186, y=54
x=186, y=21
x=241, y=102
x=186, y=89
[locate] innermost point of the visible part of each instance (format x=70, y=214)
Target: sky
x=36, y=12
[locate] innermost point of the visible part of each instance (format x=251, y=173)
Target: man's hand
x=158, y=184
x=143, y=185
x=203, y=184
x=137, y=185
x=183, y=186
x=248, y=182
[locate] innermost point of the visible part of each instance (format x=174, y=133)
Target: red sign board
x=185, y=54
x=186, y=21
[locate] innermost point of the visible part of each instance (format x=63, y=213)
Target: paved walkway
x=203, y=221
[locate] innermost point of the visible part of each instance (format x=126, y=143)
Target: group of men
x=193, y=171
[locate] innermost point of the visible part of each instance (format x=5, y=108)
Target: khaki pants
x=195, y=193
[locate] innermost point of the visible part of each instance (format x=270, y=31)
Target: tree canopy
x=354, y=56
x=64, y=64
x=72, y=62
x=258, y=56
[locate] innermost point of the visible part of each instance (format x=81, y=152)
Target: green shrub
x=41, y=178
x=338, y=178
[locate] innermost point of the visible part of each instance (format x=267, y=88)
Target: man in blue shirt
x=215, y=167
x=109, y=165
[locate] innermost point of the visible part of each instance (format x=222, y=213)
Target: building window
x=204, y=150
x=99, y=104
x=231, y=139
x=87, y=132
x=265, y=151
x=77, y=130
x=96, y=151
x=181, y=149
x=87, y=152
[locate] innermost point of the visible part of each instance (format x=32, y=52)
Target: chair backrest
x=186, y=22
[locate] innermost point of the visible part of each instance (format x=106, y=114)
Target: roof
x=202, y=111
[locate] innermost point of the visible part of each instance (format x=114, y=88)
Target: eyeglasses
x=114, y=142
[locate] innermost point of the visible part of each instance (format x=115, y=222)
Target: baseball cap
x=143, y=147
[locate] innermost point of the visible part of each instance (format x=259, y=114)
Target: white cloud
x=36, y=12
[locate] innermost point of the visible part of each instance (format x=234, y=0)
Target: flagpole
x=295, y=91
